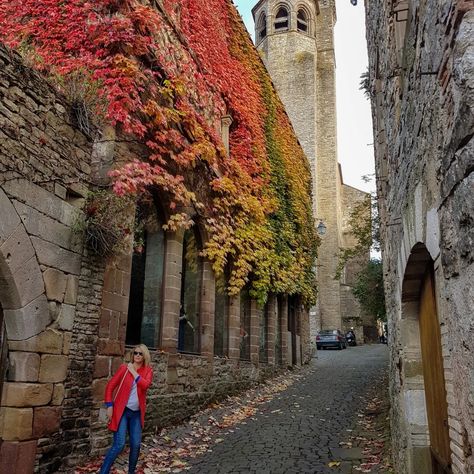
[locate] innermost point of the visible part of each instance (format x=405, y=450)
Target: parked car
x=331, y=338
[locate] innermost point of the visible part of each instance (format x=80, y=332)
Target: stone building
x=421, y=83
x=296, y=39
x=67, y=314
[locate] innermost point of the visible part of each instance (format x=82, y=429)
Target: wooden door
x=433, y=373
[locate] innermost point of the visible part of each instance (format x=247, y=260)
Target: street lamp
x=321, y=227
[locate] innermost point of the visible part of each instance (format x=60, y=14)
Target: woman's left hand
x=132, y=370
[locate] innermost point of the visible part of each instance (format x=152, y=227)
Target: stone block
x=49, y=342
x=29, y=281
x=36, y=223
x=108, y=347
x=101, y=368
x=28, y=321
x=72, y=284
x=46, y=421
x=18, y=457
x=55, y=284
x=10, y=220
x=24, y=367
x=17, y=249
x=42, y=200
x=67, y=343
x=58, y=394
x=98, y=390
x=16, y=424
x=52, y=255
x=53, y=368
x=22, y=394
x=66, y=317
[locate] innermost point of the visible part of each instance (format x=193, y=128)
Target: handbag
x=103, y=410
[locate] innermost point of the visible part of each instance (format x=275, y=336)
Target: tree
x=369, y=289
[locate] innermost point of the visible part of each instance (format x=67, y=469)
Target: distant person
x=126, y=409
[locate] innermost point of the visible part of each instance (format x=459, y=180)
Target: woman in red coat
x=126, y=409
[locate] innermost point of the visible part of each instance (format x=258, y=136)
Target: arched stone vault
x=22, y=291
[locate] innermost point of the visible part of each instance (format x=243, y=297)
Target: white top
x=133, y=403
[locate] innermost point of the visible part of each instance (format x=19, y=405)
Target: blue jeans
x=130, y=422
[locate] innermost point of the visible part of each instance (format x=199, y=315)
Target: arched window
x=262, y=27
x=191, y=277
x=282, y=19
x=221, y=318
x=302, y=21
x=146, y=286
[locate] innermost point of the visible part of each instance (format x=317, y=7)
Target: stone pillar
x=255, y=315
x=272, y=308
x=226, y=122
x=284, y=331
x=234, y=327
x=172, y=291
x=18, y=457
x=208, y=297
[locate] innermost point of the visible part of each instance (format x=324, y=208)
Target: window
x=263, y=355
x=146, y=287
x=245, y=309
x=221, y=319
x=191, y=274
x=302, y=21
x=262, y=27
x=282, y=19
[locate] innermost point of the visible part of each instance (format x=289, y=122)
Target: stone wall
x=421, y=82
x=65, y=309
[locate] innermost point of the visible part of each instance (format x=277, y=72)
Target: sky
x=354, y=121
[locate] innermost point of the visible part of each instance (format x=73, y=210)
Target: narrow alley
x=331, y=419
x=305, y=428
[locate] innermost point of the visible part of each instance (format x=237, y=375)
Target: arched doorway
x=423, y=368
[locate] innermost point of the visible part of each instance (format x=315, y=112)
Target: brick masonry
x=421, y=84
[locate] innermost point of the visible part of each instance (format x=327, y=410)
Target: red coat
x=121, y=399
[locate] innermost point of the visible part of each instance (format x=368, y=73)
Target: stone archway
x=24, y=313
x=423, y=389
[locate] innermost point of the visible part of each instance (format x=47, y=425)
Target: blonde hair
x=146, y=354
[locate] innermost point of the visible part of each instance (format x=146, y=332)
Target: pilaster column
x=255, y=315
x=284, y=330
x=208, y=297
x=272, y=308
x=172, y=291
x=234, y=327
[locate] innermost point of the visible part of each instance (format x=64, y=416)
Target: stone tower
x=296, y=39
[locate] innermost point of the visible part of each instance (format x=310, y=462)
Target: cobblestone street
x=332, y=418
x=302, y=429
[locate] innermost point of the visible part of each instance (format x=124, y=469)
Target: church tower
x=296, y=40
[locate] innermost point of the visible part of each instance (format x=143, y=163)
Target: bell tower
x=296, y=40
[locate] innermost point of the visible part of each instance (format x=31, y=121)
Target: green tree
x=369, y=289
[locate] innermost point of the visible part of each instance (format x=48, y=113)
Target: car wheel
x=318, y=347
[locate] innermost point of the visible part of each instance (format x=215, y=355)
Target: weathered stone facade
x=299, y=55
x=422, y=87
x=65, y=309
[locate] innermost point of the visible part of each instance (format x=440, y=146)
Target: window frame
x=281, y=20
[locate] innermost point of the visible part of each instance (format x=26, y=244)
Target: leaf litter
x=175, y=446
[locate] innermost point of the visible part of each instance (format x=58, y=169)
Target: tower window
x=262, y=26
x=302, y=21
x=282, y=19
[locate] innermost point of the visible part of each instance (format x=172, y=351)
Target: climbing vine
x=165, y=72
